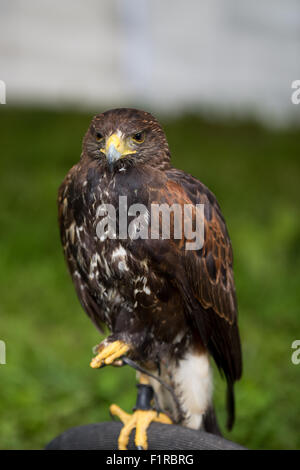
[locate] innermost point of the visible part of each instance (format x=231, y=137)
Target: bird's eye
x=99, y=136
x=139, y=137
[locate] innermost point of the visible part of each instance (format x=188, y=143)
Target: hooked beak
x=115, y=149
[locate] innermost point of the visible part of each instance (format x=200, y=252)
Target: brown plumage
x=171, y=305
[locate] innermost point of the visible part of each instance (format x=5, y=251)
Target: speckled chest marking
x=121, y=280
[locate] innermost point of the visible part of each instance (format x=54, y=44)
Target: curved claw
x=141, y=420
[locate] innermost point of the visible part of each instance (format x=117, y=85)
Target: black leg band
x=144, y=397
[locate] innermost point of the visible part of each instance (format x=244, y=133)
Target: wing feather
x=208, y=284
x=76, y=258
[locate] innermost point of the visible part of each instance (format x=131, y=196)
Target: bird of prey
x=168, y=309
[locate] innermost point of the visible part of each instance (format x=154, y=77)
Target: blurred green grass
x=47, y=385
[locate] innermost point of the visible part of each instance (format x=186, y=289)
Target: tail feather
x=230, y=405
x=210, y=422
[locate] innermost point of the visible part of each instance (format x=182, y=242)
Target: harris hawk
x=168, y=309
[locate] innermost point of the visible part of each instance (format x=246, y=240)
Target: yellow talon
x=141, y=420
x=108, y=354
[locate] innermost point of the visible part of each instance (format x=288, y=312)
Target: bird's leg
x=108, y=353
x=143, y=415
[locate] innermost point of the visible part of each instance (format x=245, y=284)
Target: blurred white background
x=216, y=56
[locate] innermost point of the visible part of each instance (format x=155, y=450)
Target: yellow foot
x=141, y=420
x=108, y=353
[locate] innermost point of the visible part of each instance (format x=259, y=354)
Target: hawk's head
x=125, y=137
